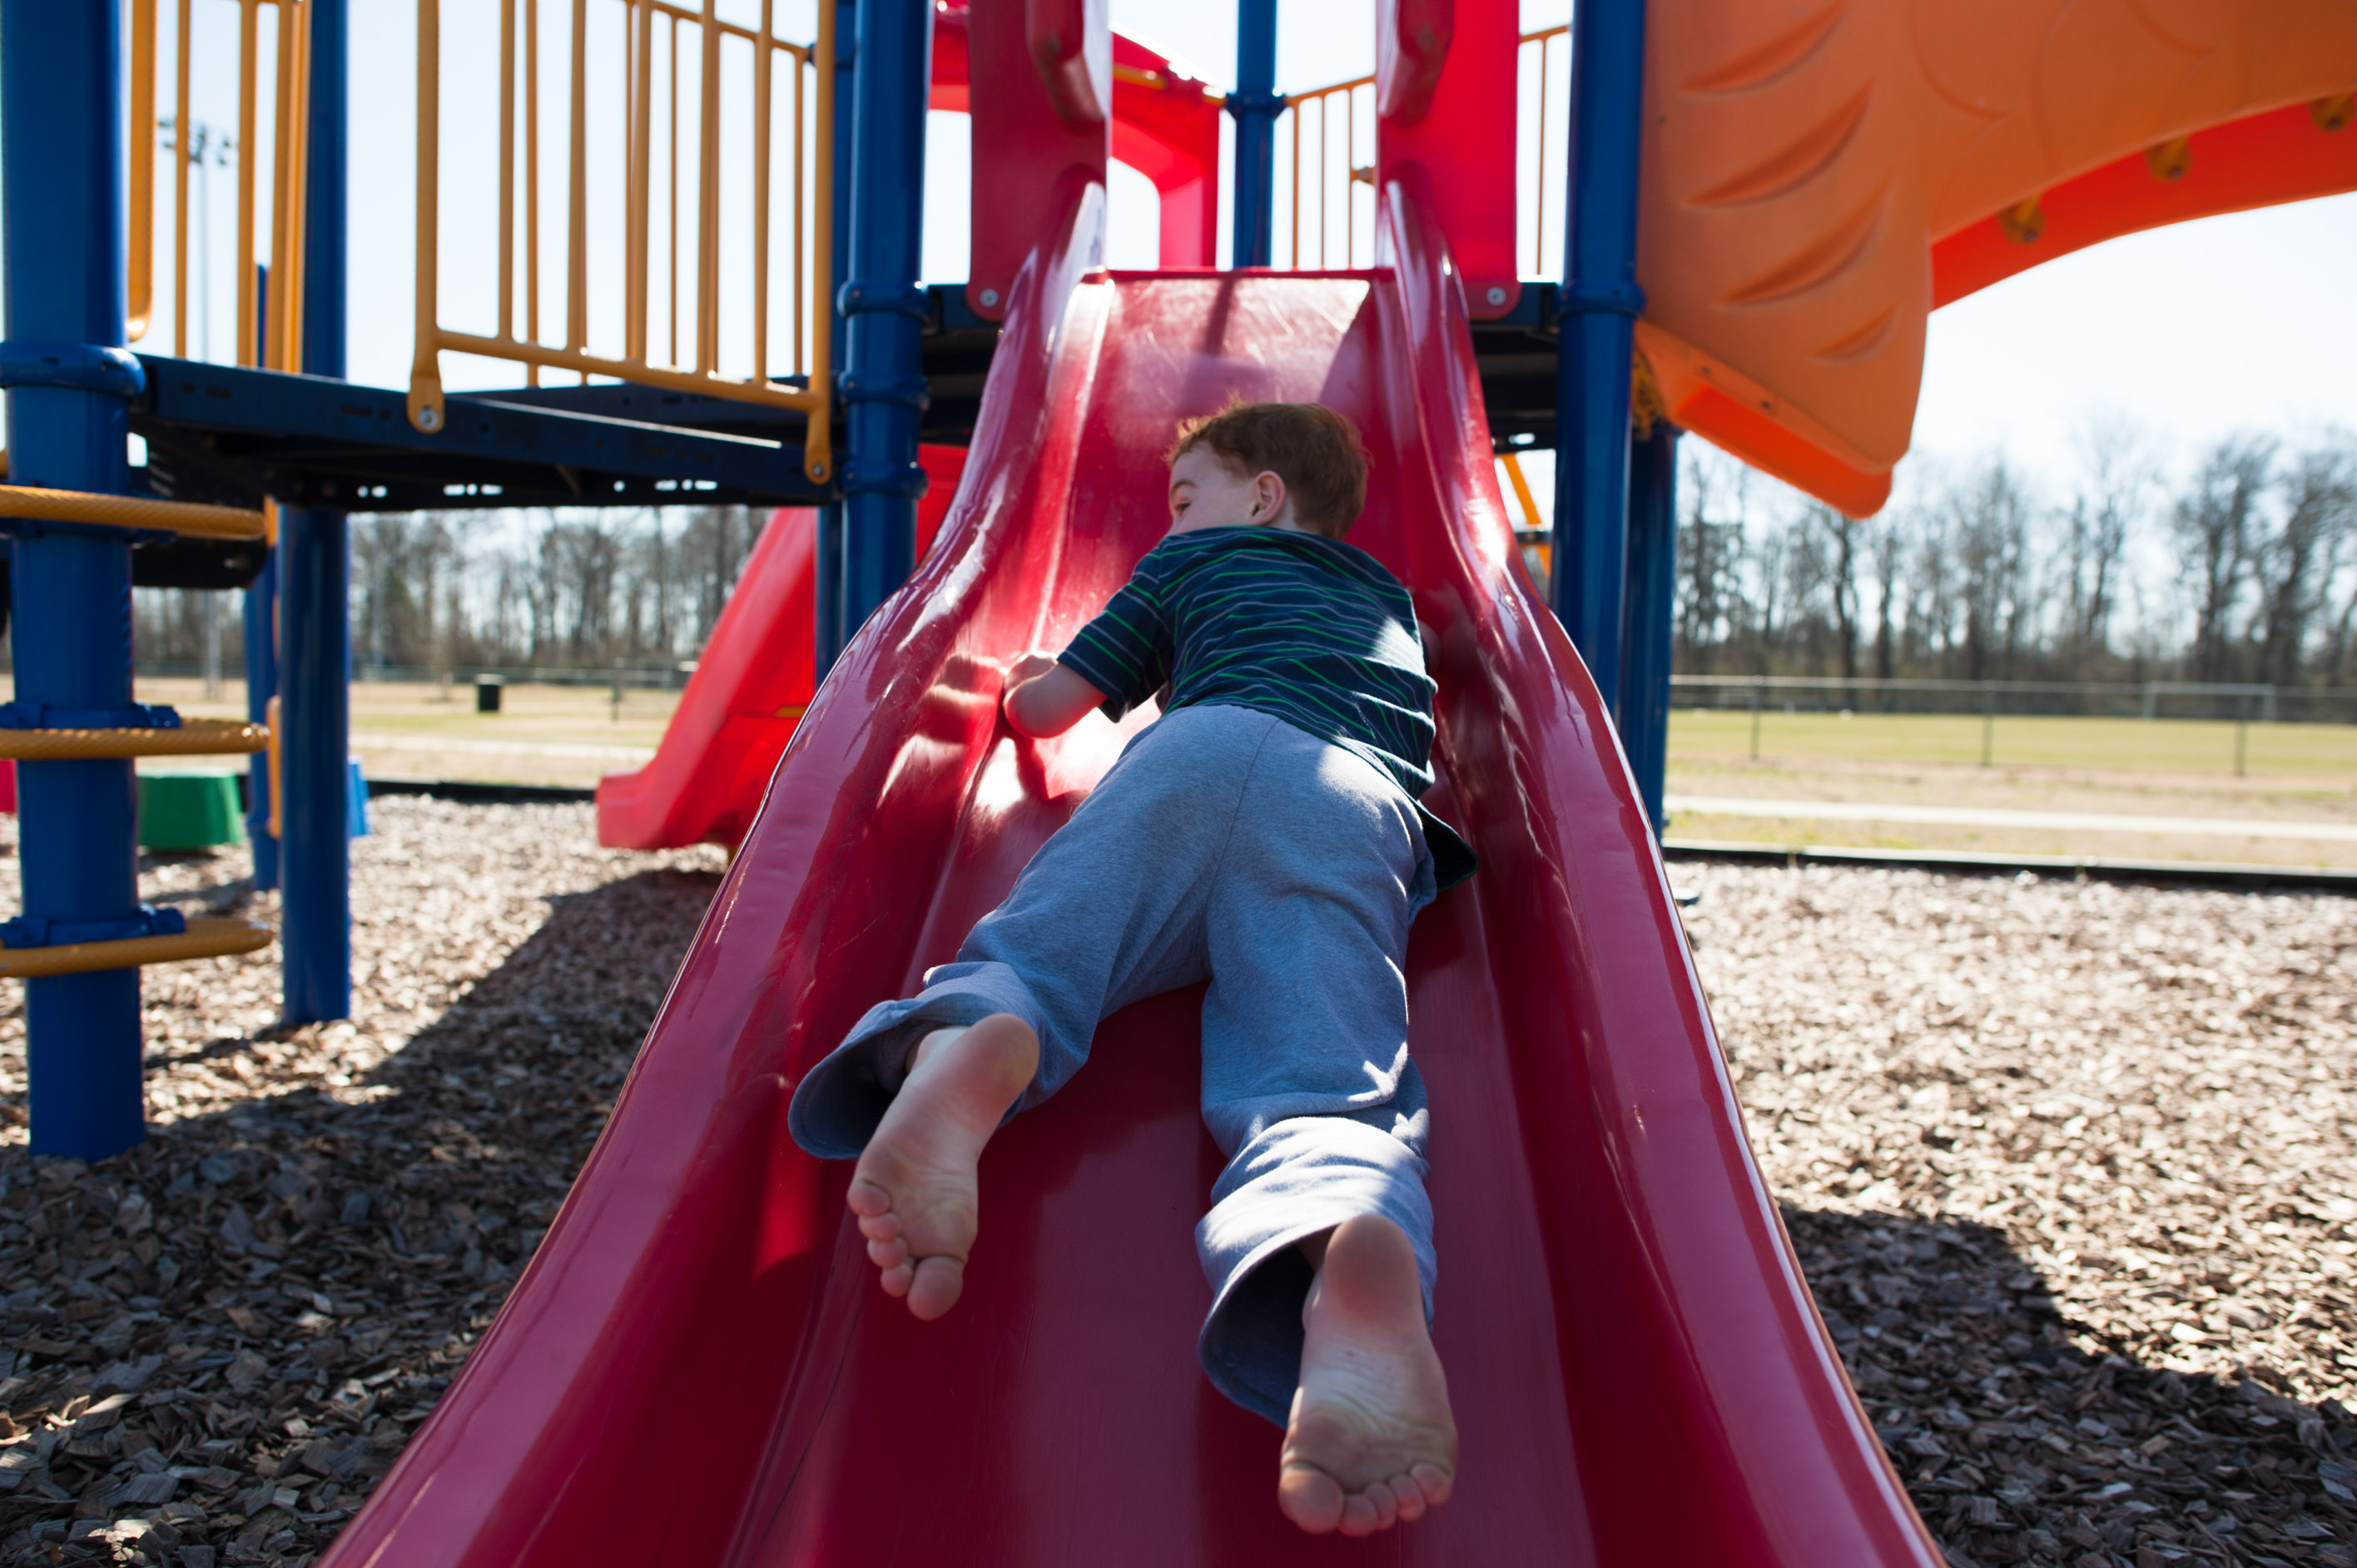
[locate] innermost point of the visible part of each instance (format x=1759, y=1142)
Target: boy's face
x=1207, y=493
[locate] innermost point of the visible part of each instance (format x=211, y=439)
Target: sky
x=2192, y=333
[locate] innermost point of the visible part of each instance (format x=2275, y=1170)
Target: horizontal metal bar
x=775, y=395
x=203, y=938
x=310, y=440
x=194, y=737
x=141, y=512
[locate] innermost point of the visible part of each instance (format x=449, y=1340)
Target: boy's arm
x=1044, y=698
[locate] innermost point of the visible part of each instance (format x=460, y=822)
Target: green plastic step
x=189, y=810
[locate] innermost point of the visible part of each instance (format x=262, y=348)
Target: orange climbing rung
x=203, y=938
x=195, y=737
x=129, y=511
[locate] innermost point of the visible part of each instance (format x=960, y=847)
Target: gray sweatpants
x=1224, y=845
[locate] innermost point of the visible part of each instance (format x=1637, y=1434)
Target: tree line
x=534, y=589
x=2237, y=565
x=2240, y=566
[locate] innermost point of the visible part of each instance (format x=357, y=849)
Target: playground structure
x=1640, y=1372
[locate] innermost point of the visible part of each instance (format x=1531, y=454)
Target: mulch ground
x=2073, y=1169
x=215, y=1343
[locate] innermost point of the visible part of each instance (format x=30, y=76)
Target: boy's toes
x=868, y=1200
x=1310, y=1498
x=895, y=1280
x=887, y=1255
x=1435, y=1483
x=937, y=1284
x=1408, y=1497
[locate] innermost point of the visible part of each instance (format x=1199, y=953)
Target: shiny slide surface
x=749, y=692
x=698, y=1367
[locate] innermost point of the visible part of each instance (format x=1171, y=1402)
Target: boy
x=1263, y=834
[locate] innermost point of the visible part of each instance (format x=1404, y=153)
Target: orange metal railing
x=1333, y=226
x=690, y=361
x=290, y=144
x=1539, y=54
x=1335, y=174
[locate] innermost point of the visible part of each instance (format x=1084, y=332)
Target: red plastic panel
x=1023, y=142
x=698, y=1369
x=1167, y=129
x=1446, y=74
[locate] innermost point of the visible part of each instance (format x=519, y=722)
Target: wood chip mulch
x=2073, y=1169
x=213, y=1345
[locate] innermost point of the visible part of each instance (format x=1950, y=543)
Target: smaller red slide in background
x=749, y=690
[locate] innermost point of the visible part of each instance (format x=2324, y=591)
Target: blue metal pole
x=314, y=569
x=1600, y=303
x=1653, y=593
x=826, y=563
x=883, y=387
x=261, y=685
x=61, y=139
x=1251, y=223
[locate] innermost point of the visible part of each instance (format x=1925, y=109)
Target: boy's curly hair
x=1313, y=449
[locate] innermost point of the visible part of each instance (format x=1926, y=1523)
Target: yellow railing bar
x=184, y=129
x=129, y=511
x=248, y=47
x=141, y=290
x=256, y=339
x=707, y=215
x=195, y=737
x=701, y=373
x=1538, y=164
x=531, y=185
x=761, y=71
x=507, y=168
x=203, y=938
x=291, y=164
x=638, y=182
x=576, y=238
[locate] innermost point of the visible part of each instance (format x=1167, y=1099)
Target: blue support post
x=62, y=137
x=827, y=551
x=1251, y=223
x=1653, y=595
x=315, y=629
x=882, y=387
x=261, y=685
x=1600, y=303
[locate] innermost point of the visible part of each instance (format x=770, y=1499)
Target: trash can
x=486, y=693
x=189, y=810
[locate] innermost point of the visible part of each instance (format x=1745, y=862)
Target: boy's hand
x=1029, y=667
x=1044, y=698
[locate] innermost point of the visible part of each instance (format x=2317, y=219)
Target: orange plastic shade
x=1817, y=176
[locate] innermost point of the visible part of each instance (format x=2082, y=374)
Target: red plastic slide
x=749, y=692
x=698, y=1369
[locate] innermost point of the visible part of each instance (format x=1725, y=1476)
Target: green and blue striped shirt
x=1297, y=626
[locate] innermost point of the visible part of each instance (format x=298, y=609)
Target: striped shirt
x=1297, y=626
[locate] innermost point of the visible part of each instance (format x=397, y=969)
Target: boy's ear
x=1269, y=495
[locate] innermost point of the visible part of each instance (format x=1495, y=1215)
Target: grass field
x=2182, y=747
x=542, y=735
x=572, y=735
x=2123, y=767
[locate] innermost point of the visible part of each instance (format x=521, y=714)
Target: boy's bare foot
x=1371, y=1442
x=914, y=1189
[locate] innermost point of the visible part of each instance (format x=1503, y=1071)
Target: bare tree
x=2292, y=567
x=2213, y=523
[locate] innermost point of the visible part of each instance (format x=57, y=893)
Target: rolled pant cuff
x=838, y=1103
x=1298, y=1178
